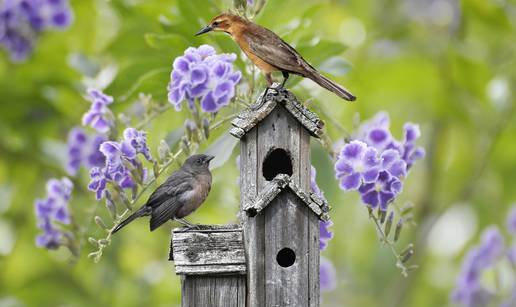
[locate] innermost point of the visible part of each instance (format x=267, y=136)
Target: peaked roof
x=282, y=182
x=267, y=101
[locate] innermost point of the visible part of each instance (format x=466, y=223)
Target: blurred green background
x=448, y=65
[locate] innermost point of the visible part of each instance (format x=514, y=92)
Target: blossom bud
x=206, y=127
x=397, y=232
x=388, y=224
x=100, y=222
x=163, y=150
x=93, y=241
x=110, y=205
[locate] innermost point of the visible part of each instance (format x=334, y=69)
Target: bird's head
x=198, y=162
x=225, y=22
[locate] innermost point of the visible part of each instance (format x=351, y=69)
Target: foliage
x=443, y=64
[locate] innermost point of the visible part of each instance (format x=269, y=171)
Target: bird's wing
x=176, y=184
x=272, y=49
x=164, y=212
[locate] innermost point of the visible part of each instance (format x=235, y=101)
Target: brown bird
x=270, y=53
x=181, y=194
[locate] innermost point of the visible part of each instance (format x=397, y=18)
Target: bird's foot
x=192, y=227
x=269, y=93
x=186, y=224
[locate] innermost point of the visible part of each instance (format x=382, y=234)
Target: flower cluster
x=99, y=117
x=52, y=209
x=83, y=149
x=327, y=273
x=325, y=234
x=469, y=289
x=375, y=163
x=22, y=21
x=202, y=74
x=122, y=165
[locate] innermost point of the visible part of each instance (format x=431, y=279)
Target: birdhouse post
x=279, y=214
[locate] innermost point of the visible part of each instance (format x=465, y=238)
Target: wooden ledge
x=208, y=250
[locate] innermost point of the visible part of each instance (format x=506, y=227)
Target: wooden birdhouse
x=279, y=216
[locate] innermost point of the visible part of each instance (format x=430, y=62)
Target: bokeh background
x=445, y=64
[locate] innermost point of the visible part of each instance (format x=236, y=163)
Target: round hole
x=286, y=257
x=277, y=162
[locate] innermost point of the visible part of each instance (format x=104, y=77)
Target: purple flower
x=97, y=182
x=52, y=209
x=202, y=74
x=22, y=21
x=328, y=275
x=357, y=164
x=121, y=163
x=325, y=234
x=376, y=132
x=511, y=221
x=469, y=290
x=511, y=254
x=83, y=149
x=99, y=117
x=118, y=157
x=381, y=192
x=376, y=163
x=138, y=140
x=313, y=184
x=411, y=153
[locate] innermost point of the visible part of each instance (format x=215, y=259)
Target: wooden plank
x=210, y=249
x=254, y=239
x=213, y=291
x=285, y=217
x=286, y=222
x=267, y=194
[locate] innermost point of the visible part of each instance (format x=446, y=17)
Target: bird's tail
x=143, y=211
x=332, y=86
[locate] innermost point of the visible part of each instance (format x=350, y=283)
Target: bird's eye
x=215, y=23
x=199, y=161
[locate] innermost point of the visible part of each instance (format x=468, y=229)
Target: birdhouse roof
x=283, y=182
x=270, y=98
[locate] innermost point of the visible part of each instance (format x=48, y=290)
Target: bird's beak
x=209, y=158
x=206, y=29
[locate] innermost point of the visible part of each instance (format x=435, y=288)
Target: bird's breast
x=194, y=198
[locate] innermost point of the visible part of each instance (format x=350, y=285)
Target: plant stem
x=399, y=261
x=98, y=254
x=155, y=114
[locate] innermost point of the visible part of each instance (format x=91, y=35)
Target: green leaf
x=222, y=149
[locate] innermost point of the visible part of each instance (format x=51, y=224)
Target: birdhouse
x=272, y=257
x=280, y=214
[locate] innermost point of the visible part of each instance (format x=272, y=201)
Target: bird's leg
x=186, y=223
x=285, y=78
x=268, y=77
x=259, y=104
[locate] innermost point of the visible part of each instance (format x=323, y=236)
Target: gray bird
x=181, y=194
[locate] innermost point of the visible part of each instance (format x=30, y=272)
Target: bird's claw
x=192, y=227
x=269, y=94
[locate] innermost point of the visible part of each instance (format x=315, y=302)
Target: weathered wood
x=269, y=192
x=285, y=222
x=211, y=262
x=213, y=291
x=267, y=102
x=254, y=239
x=208, y=250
